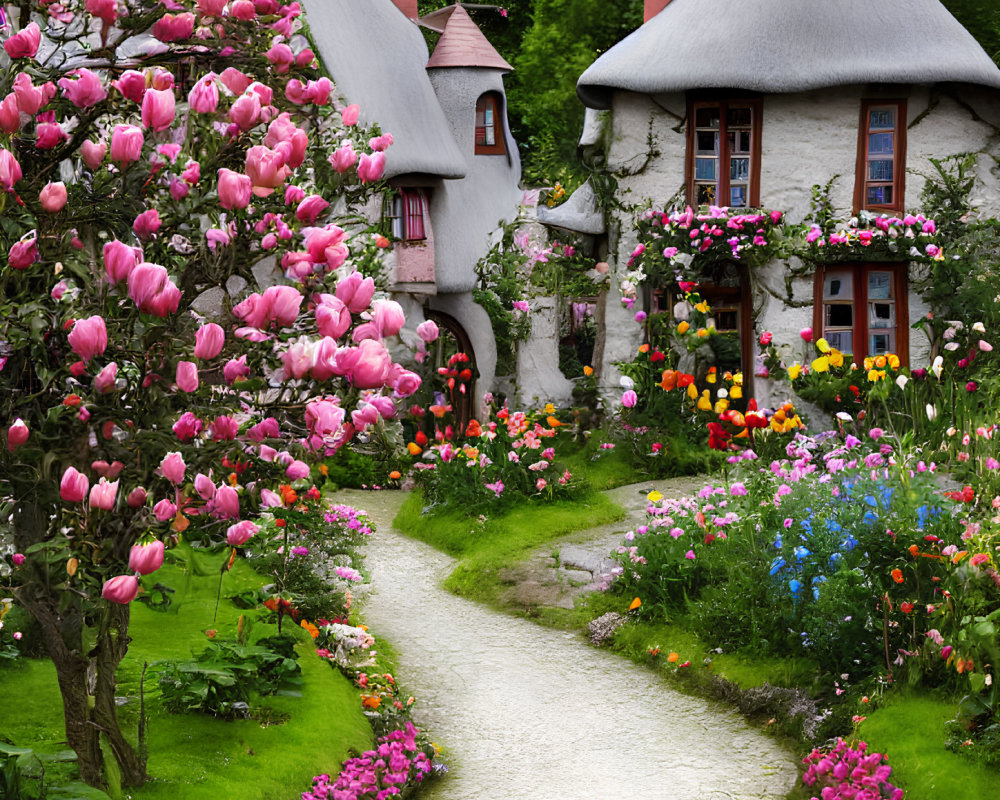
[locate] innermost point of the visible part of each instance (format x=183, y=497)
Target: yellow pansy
x=549, y=408
x=682, y=327
x=704, y=403
x=721, y=405
x=654, y=496
x=821, y=364
x=823, y=345
x=692, y=391
x=836, y=358
x=794, y=371
x=702, y=307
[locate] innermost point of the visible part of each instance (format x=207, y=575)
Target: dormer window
x=724, y=153
x=406, y=215
x=489, y=125
x=881, y=156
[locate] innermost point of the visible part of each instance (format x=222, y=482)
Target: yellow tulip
x=794, y=371
x=738, y=378
x=836, y=358
x=692, y=391
x=823, y=345
x=869, y=362
x=682, y=327
x=704, y=403
x=702, y=307
x=721, y=405
x=893, y=360
x=711, y=376
x=736, y=392
x=549, y=408
x=821, y=364
x=702, y=333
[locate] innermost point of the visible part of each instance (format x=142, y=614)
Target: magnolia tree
x=151, y=152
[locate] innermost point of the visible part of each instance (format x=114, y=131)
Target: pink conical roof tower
x=462, y=44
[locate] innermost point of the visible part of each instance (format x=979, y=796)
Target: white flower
x=951, y=346
x=626, y=382
x=843, y=415
x=978, y=327
x=937, y=367
x=901, y=381
x=722, y=393
x=931, y=412
x=951, y=431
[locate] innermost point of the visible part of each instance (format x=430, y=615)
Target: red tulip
x=121, y=589
x=146, y=558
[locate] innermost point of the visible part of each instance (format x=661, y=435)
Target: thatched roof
x=788, y=46
x=377, y=58
x=462, y=44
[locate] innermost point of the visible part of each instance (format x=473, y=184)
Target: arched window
x=489, y=125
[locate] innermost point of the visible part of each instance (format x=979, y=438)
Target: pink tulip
x=380, y=143
x=173, y=467
x=131, y=85
x=388, y=317
x=105, y=10
x=121, y=589
x=223, y=429
x=10, y=114
x=93, y=153
x=226, y=503
x=17, y=434
x=126, y=145
x=243, y=9
x=318, y=91
x=356, y=292
x=164, y=302
x=240, y=533
x=371, y=167
x=333, y=318
x=103, y=494
x=985, y=346
x=327, y=246
x=324, y=364
x=204, y=487
x=136, y=498
x=174, y=28
x=158, y=109
x=85, y=91
x=164, y=510
x=428, y=331
x=23, y=254
x=806, y=334
x=385, y=407
x=291, y=141
x=49, y=135
x=234, y=189
x=281, y=56
x=364, y=416
x=406, y=383
x=284, y=303
x=371, y=368
x=267, y=428
x=211, y=8
x=298, y=359
x=31, y=98
x=73, y=486
x=349, y=116
x=191, y=173
x=24, y=43
x=235, y=81
x=53, y=197
x=89, y=337
x=10, y=170
x=324, y=417
x=305, y=58
x=269, y=499
x=146, y=558
x=344, y=157
x=266, y=169
x=120, y=260
x=235, y=368
x=629, y=399
x=208, y=341
x=297, y=470
x=147, y=223
x=145, y=281
x=188, y=426
x=187, y=376
x=105, y=380
x=310, y=208
x=204, y=95
x=245, y=112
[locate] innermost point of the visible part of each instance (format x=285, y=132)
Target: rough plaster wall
x=539, y=378
x=465, y=212
x=476, y=322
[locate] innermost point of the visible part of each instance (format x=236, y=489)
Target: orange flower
x=233, y=479
x=395, y=475
x=588, y=371
x=643, y=348
x=414, y=449
x=635, y=604
x=897, y=575
x=474, y=428
x=668, y=380
x=324, y=470
x=370, y=701
x=288, y=494
x=72, y=400
x=552, y=422
x=673, y=657
x=313, y=630
x=381, y=242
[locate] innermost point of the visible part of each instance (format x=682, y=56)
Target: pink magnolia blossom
x=104, y=10
x=93, y=153
x=226, y=503
x=158, y=109
x=204, y=486
x=121, y=589
x=344, y=157
x=73, y=486
x=245, y=111
x=223, y=429
x=310, y=208
x=103, y=494
x=327, y=246
x=356, y=292
x=281, y=56
x=428, y=331
x=266, y=169
x=333, y=318
x=89, y=337
x=371, y=366
x=85, y=91
x=405, y=382
x=24, y=43
x=146, y=558
x=388, y=317
x=204, y=95
x=172, y=466
x=49, y=135
x=10, y=114
x=208, y=341
x=126, y=145
x=235, y=81
x=243, y=9
x=17, y=434
x=211, y=8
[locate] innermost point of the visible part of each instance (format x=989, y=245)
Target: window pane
x=839, y=315
x=838, y=285
x=841, y=340
x=738, y=116
x=738, y=196
x=879, y=195
x=705, y=169
x=879, y=285
x=490, y=137
x=743, y=138
x=706, y=117
x=708, y=142
x=880, y=170
x=725, y=319
x=706, y=194
x=488, y=115
x=881, y=343
x=881, y=119
x=739, y=169
x=881, y=315
x=880, y=144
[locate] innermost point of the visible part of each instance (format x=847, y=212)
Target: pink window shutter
x=414, y=215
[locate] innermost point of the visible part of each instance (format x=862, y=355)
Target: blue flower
x=795, y=585
x=778, y=542
x=777, y=564
x=801, y=552
x=849, y=542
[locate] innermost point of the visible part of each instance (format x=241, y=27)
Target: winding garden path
x=529, y=713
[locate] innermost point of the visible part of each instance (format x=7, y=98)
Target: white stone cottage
x=750, y=103
x=454, y=166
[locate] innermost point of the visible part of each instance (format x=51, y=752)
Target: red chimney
x=650, y=9
x=409, y=7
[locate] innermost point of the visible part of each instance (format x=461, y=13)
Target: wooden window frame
x=861, y=181
x=406, y=212
x=860, y=330
x=493, y=100
x=756, y=105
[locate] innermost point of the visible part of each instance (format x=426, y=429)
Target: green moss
x=197, y=757
x=910, y=729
